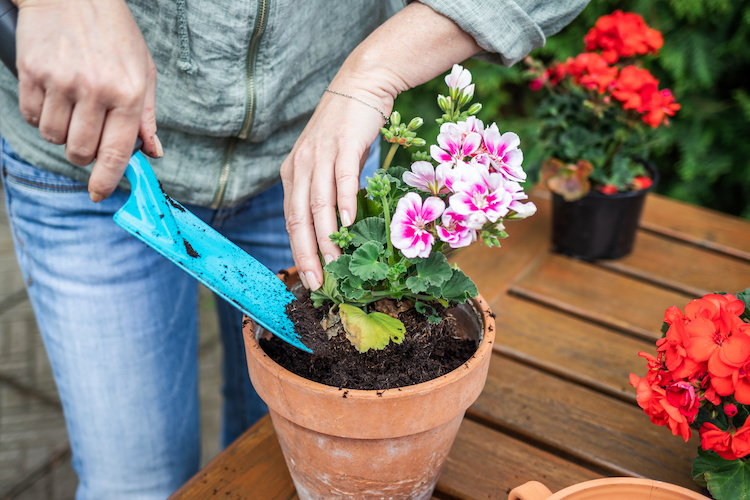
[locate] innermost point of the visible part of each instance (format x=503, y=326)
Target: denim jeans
x=120, y=326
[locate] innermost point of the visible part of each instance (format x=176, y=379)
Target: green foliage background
x=704, y=155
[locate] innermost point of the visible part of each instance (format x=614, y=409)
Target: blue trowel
x=180, y=236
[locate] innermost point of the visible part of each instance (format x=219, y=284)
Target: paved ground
x=34, y=449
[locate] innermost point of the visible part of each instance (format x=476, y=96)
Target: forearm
x=414, y=46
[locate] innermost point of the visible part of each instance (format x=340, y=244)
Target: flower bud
x=475, y=108
x=378, y=186
x=415, y=123
x=730, y=409
x=466, y=95
x=420, y=156
x=395, y=118
x=418, y=141
x=443, y=102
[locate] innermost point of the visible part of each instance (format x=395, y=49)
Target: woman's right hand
x=86, y=79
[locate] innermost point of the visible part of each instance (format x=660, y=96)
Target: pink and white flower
x=454, y=230
x=409, y=226
x=455, y=143
x=522, y=210
x=458, y=80
x=428, y=178
x=503, y=153
x=481, y=196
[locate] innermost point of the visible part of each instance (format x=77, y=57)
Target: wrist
x=411, y=48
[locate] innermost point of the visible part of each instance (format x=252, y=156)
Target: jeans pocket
x=23, y=174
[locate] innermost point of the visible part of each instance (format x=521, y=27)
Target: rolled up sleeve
x=508, y=30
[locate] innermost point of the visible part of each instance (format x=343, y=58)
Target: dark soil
x=427, y=352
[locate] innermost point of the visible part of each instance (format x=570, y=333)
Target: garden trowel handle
x=8, y=22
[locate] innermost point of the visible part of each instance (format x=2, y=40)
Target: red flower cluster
x=702, y=364
x=618, y=35
x=622, y=34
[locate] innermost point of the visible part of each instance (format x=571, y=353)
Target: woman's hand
x=322, y=171
x=86, y=79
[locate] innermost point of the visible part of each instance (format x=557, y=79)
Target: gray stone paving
x=35, y=462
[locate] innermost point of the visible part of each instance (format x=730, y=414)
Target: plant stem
x=387, y=215
x=389, y=156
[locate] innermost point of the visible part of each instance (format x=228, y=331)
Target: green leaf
x=366, y=206
x=725, y=479
x=428, y=311
x=367, y=230
x=432, y=271
x=339, y=268
x=744, y=296
x=352, y=288
x=329, y=291
x=396, y=271
x=370, y=331
x=459, y=288
x=366, y=264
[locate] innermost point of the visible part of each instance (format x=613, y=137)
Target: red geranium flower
x=591, y=71
x=717, y=334
x=642, y=182
x=657, y=106
x=655, y=404
x=738, y=383
x=676, y=358
x=622, y=34
x=682, y=396
x=730, y=445
x=632, y=86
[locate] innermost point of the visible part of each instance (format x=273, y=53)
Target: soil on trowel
x=428, y=351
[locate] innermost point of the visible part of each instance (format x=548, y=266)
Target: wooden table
x=557, y=406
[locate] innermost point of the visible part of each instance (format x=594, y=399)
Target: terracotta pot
x=366, y=443
x=611, y=488
x=598, y=226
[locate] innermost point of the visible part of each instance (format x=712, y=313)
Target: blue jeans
x=120, y=325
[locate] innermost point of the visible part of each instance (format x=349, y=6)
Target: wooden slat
x=611, y=435
x=251, y=467
x=492, y=269
x=487, y=464
x=697, y=225
x=568, y=346
x=682, y=267
x=598, y=294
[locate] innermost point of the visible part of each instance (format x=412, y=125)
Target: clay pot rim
x=605, y=484
x=488, y=339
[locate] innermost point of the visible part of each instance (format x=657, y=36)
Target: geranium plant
x=409, y=219
x=700, y=380
x=602, y=109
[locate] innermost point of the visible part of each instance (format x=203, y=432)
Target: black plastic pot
x=598, y=226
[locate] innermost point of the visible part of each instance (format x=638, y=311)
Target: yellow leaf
x=370, y=331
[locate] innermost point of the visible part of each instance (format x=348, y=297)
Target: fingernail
x=346, y=219
x=95, y=197
x=303, y=280
x=328, y=258
x=312, y=281
x=159, y=148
